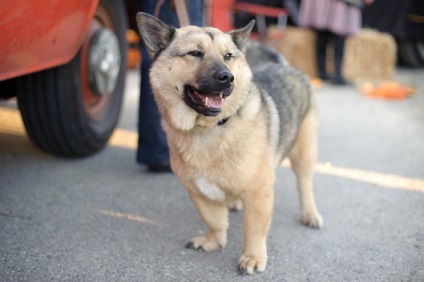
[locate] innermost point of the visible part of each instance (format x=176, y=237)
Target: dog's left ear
x=156, y=34
x=241, y=36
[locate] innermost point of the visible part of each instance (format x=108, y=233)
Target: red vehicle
x=66, y=62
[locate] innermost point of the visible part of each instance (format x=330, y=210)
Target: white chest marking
x=211, y=191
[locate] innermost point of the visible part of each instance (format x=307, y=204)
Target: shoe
x=338, y=80
x=160, y=168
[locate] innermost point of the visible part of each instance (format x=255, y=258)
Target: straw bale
x=297, y=45
x=369, y=55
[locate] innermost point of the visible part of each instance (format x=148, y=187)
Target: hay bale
x=369, y=55
x=297, y=45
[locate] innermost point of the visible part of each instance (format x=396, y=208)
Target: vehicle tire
x=411, y=52
x=63, y=109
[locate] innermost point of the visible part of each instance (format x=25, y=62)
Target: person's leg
x=152, y=145
x=321, y=53
x=339, y=44
x=195, y=11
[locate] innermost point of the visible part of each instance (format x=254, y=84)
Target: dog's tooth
x=206, y=101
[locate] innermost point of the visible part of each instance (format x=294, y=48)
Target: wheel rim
x=100, y=65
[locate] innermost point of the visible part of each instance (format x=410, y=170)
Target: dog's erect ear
x=241, y=36
x=155, y=33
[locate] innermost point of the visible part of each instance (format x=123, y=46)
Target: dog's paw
x=313, y=220
x=205, y=244
x=251, y=265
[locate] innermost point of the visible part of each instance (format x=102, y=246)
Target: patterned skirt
x=333, y=15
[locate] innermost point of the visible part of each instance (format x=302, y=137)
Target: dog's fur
x=229, y=130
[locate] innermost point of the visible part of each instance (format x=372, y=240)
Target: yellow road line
x=375, y=178
x=379, y=179
x=127, y=216
x=11, y=123
x=124, y=139
x=128, y=139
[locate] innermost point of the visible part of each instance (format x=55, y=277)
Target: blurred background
x=83, y=50
x=75, y=206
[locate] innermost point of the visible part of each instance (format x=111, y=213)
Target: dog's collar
x=222, y=121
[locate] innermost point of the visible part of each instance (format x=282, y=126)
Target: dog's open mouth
x=213, y=101
x=207, y=104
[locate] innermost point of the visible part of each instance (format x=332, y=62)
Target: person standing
x=152, y=147
x=332, y=19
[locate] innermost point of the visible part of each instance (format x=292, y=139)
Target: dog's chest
x=210, y=190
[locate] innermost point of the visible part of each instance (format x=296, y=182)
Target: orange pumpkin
x=386, y=90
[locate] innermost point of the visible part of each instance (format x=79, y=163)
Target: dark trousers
x=323, y=38
x=152, y=145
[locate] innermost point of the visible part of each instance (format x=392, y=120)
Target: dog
x=229, y=125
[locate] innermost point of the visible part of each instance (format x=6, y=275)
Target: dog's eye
x=195, y=54
x=228, y=56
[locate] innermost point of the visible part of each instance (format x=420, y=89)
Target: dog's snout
x=225, y=78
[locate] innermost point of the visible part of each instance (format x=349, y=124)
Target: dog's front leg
x=215, y=216
x=258, y=207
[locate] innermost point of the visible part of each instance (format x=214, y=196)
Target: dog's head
x=198, y=75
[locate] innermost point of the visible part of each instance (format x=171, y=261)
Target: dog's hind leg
x=215, y=216
x=303, y=158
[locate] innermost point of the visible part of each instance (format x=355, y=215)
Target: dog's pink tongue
x=214, y=101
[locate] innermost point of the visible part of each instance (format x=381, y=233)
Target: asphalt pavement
x=104, y=218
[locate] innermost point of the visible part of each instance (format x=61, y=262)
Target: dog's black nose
x=225, y=78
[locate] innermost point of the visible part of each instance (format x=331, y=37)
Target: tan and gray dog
x=229, y=126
